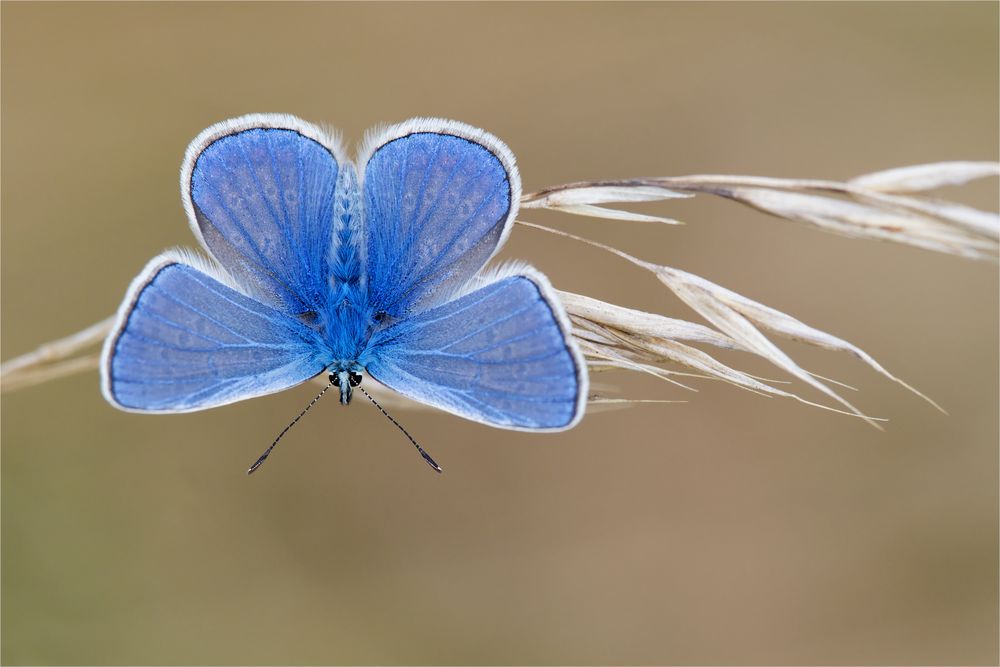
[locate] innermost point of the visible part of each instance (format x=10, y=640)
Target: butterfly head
x=346, y=381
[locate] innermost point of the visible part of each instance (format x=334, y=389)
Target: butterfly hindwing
x=501, y=355
x=439, y=199
x=186, y=341
x=259, y=191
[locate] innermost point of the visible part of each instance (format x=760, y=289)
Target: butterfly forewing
x=185, y=341
x=500, y=355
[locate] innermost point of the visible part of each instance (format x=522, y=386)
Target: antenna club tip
x=431, y=462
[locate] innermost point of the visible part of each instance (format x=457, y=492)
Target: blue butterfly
x=318, y=266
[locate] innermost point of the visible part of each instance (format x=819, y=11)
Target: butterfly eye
x=335, y=379
x=354, y=379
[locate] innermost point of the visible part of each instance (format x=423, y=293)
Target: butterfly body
x=347, y=320
x=318, y=266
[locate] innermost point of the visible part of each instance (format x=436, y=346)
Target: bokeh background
x=730, y=529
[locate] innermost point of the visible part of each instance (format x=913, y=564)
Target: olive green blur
x=731, y=529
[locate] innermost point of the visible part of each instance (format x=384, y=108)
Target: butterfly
x=317, y=265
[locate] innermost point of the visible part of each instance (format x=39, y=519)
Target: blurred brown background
x=730, y=529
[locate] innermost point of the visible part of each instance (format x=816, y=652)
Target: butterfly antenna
x=425, y=455
x=259, y=462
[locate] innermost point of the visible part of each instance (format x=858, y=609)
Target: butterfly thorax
x=347, y=320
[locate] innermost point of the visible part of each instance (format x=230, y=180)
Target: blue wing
x=500, y=355
x=259, y=191
x=439, y=199
x=184, y=341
